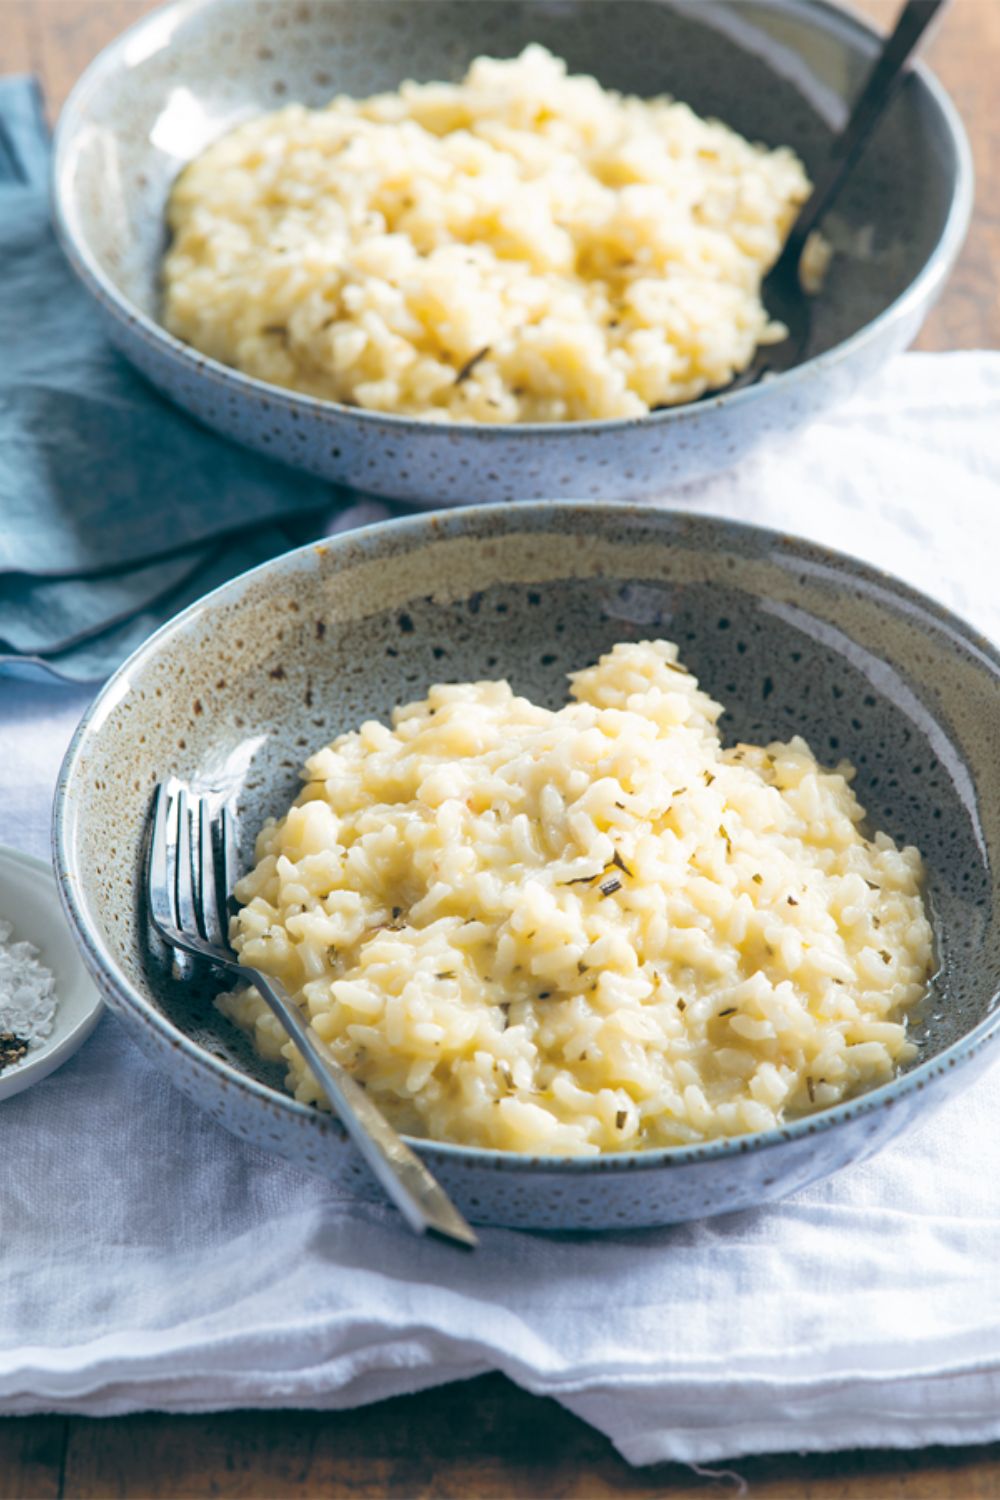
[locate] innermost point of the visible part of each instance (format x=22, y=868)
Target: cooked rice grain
x=523, y=246
x=586, y=930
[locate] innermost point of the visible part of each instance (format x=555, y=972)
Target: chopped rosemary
x=470, y=364
x=811, y=1088
x=730, y=1010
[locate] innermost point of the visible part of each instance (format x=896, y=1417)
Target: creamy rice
x=521, y=246
x=587, y=930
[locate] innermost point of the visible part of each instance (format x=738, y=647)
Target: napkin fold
x=116, y=510
x=151, y=1261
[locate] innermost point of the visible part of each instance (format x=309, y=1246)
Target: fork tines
x=191, y=866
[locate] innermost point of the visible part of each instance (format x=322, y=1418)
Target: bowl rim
x=825, y=15
x=430, y=528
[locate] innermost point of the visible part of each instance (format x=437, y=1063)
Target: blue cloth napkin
x=116, y=510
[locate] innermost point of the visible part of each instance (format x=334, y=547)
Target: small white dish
x=30, y=902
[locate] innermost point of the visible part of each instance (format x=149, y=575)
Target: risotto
x=521, y=246
x=585, y=930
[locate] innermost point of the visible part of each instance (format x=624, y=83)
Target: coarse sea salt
x=28, y=999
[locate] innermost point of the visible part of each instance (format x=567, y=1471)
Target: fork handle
x=411, y=1187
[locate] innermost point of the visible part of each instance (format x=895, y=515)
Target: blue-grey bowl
x=792, y=638
x=778, y=70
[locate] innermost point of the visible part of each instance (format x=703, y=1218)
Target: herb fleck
x=470, y=364
x=12, y=1049
x=620, y=1119
x=812, y=1090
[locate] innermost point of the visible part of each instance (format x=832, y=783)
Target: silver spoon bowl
x=782, y=292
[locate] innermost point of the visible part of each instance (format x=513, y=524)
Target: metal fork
x=187, y=906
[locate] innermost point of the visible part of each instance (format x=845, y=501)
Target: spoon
x=781, y=291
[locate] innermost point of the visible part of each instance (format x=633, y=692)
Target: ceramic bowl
x=778, y=72
x=236, y=691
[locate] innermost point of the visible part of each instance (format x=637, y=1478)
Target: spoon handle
x=879, y=89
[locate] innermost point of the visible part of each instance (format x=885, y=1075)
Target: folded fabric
x=152, y=1261
x=88, y=656
x=99, y=476
x=56, y=614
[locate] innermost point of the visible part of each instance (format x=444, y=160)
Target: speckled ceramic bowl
x=238, y=689
x=777, y=70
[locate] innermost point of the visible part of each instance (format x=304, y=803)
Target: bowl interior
x=793, y=640
x=777, y=72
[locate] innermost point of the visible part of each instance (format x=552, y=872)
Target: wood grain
x=964, y=52
x=32, y=1450
x=483, y=1439
x=486, y=1438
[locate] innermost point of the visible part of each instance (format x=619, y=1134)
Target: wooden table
x=485, y=1438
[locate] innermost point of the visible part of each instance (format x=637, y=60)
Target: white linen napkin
x=152, y=1261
